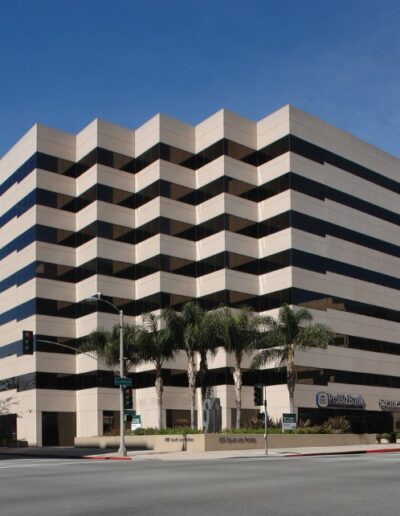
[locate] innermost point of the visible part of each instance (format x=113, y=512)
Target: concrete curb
x=351, y=452
x=41, y=456
x=283, y=454
x=61, y=456
x=51, y=456
x=100, y=457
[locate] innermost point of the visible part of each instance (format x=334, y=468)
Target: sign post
x=265, y=421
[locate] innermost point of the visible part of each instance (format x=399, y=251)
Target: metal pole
x=122, y=448
x=265, y=421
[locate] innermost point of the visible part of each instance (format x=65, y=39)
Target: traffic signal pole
x=122, y=448
x=265, y=421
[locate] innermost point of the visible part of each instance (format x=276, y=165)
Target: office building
x=285, y=210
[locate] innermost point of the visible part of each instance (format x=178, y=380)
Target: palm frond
x=174, y=326
x=104, y=344
x=267, y=355
x=314, y=336
x=303, y=315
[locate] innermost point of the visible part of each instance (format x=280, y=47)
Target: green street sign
x=123, y=380
x=130, y=412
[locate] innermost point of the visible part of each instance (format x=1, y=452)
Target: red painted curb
x=385, y=450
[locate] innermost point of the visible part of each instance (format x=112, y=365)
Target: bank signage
x=340, y=400
x=390, y=405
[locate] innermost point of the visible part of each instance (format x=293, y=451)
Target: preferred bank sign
x=340, y=400
x=393, y=405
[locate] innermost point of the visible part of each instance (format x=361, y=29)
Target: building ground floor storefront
x=374, y=411
x=361, y=421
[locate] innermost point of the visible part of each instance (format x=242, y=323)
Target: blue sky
x=65, y=62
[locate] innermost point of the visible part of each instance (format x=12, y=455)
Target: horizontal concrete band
x=194, y=197
x=164, y=263
x=162, y=151
x=192, y=232
x=259, y=303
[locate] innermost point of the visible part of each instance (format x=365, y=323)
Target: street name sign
x=123, y=380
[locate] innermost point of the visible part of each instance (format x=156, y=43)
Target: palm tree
x=195, y=331
x=141, y=344
x=155, y=345
x=105, y=343
x=292, y=331
x=241, y=335
x=213, y=332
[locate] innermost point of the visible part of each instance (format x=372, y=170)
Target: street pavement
x=353, y=485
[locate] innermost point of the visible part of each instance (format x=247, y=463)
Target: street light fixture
x=98, y=297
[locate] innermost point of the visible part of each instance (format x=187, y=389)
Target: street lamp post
x=98, y=297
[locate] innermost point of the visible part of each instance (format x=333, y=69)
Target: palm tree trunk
x=203, y=374
x=291, y=380
x=237, y=378
x=192, y=388
x=159, y=392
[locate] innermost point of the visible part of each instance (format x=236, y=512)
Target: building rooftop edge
x=289, y=111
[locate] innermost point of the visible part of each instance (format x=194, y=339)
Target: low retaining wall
x=135, y=442
x=221, y=442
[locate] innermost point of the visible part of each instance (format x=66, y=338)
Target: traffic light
x=128, y=402
x=258, y=395
x=27, y=342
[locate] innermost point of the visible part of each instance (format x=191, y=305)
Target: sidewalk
x=260, y=453
x=138, y=455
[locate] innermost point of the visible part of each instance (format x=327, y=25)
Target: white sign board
x=289, y=421
x=136, y=422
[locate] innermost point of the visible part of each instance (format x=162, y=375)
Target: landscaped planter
x=221, y=442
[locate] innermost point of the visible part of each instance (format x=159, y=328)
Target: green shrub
x=259, y=430
x=154, y=431
x=337, y=424
x=112, y=432
x=312, y=430
x=164, y=431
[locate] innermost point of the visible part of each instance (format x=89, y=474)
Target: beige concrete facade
x=229, y=210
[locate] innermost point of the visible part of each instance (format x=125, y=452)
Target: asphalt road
x=338, y=485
